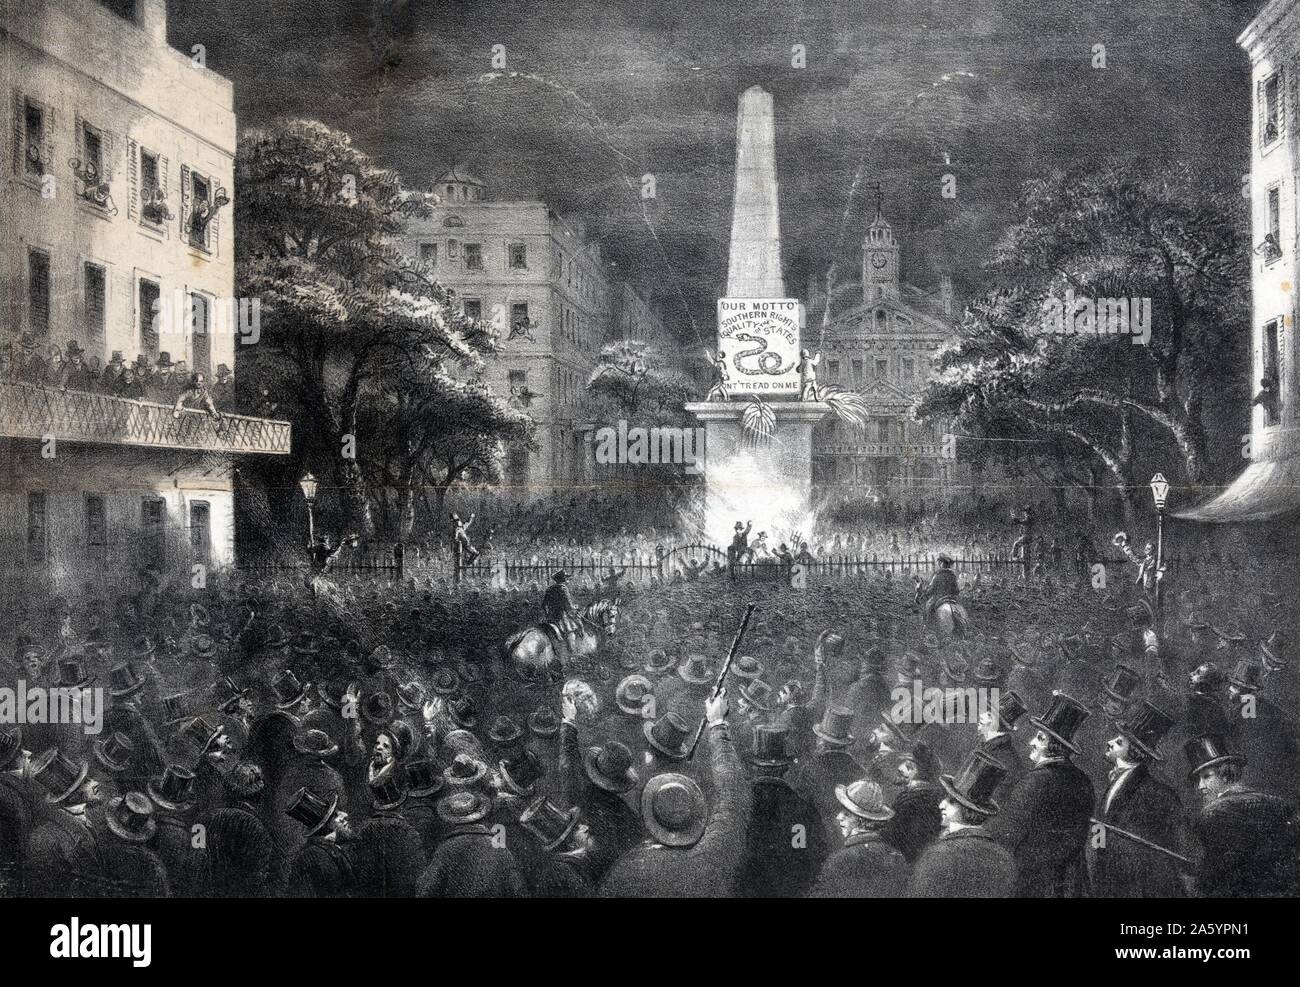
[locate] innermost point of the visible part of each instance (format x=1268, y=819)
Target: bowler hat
x=674, y=810
x=463, y=807
x=865, y=800
x=610, y=767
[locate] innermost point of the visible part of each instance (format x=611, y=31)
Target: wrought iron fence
x=31, y=411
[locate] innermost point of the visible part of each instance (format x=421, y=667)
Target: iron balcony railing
x=29, y=411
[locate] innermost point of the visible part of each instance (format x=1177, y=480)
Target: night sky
x=619, y=88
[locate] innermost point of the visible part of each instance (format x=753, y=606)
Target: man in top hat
x=1261, y=731
x=866, y=866
x=596, y=781
x=996, y=727
x=916, y=808
x=786, y=841
x=1046, y=818
x=129, y=866
x=694, y=850
x=830, y=764
x=1138, y=802
x=74, y=374
x=322, y=868
x=559, y=609
x=567, y=841
x=64, y=852
x=738, y=551
x=1247, y=848
x=967, y=861
x=174, y=798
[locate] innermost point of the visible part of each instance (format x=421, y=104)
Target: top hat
x=1010, y=708
x=130, y=817
x=865, y=800
x=311, y=810
x=674, y=810
x=59, y=775
x=387, y=789
x=174, y=790
x=1062, y=719
x=1248, y=675
x=114, y=751
x=610, y=767
x=695, y=670
x=771, y=746
x=423, y=777
x=164, y=359
x=975, y=784
x=543, y=722
x=124, y=680
x=288, y=690
x=659, y=660
x=560, y=576
x=1146, y=727
x=548, y=823
x=521, y=771
x=72, y=674
x=945, y=557
x=1122, y=684
x=463, y=711
x=464, y=807
x=1208, y=751
x=631, y=692
x=669, y=735
x=834, y=727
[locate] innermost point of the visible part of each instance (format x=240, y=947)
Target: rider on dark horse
x=942, y=587
x=558, y=607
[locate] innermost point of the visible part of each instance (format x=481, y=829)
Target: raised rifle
x=722, y=676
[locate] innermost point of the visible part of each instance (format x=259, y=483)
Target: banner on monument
x=760, y=337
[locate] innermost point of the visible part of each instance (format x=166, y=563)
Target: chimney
x=945, y=294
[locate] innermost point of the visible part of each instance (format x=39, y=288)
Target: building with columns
x=118, y=240
x=882, y=340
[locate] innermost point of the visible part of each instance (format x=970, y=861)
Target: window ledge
x=154, y=231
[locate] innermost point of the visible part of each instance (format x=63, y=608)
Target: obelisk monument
x=763, y=478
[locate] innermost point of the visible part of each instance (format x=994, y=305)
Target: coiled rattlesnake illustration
x=768, y=363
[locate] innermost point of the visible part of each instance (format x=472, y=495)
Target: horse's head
x=604, y=614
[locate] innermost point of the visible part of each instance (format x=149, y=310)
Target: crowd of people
x=347, y=738
x=160, y=380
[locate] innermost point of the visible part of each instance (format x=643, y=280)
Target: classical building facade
x=543, y=284
x=119, y=241
x=881, y=341
x=1270, y=485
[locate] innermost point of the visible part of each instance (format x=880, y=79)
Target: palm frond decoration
x=758, y=422
x=849, y=407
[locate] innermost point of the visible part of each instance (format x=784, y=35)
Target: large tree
x=344, y=312
x=1136, y=231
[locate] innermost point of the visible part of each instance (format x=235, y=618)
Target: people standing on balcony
x=159, y=383
x=74, y=374
x=196, y=394
x=112, y=371
x=223, y=387
x=128, y=384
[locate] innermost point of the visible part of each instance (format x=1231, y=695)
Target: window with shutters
x=38, y=292
x=95, y=292
x=1274, y=218
x=34, y=138
x=1270, y=108
x=518, y=256
x=153, y=532
x=474, y=256
x=199, y=192
x=200, y=328
x=153, y=189
x=200, y=530
x=37, y=528
x=147, y=303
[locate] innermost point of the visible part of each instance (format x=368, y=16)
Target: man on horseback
x=941, y=589
x=558, y=607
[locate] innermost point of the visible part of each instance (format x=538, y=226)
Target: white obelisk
x=754, y=264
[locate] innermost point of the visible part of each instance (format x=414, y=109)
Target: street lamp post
x=1159, y=493
x=309, y=484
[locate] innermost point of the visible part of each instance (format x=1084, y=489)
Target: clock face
x=878, y=261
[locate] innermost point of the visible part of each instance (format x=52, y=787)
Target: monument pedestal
x=768, y=482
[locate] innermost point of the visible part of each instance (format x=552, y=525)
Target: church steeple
x=879, y=256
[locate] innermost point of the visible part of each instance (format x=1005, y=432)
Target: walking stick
x=1142, y=841
x=722, y=676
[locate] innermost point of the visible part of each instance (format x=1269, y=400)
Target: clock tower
x=879, y=260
